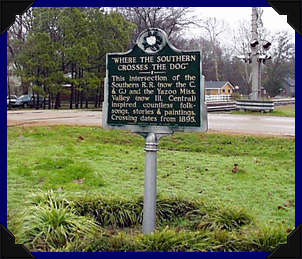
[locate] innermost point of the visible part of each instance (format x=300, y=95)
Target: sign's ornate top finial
x=152, y=40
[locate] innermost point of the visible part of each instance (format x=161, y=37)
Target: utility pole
x=254, y=49
x=257, y=54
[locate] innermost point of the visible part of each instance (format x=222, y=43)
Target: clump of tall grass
x=122, y=213
x=225, y=218
x=53, y=225
x=96, y=224
x=170, y=240
x=265, y=238
x=167, y=240
x=127, y=213
x=51, y=199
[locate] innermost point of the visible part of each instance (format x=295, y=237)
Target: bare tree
x=172, y=20
x=213, y=29
x=16, y=37
x=18, y=32
x=282, y=65
x=241, y=46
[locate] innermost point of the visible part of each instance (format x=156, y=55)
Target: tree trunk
x=76, y=98
x=71, y=97
x=96, y=98
x=86, y=100
x=216, y=65
x=50, y=97
x=71, y=88
x=82, y=97
x=78, y=90
x=216, y=70
x=82, y=89
x=38, y=101
x=58, y=101
x=8, y=89
x=101, y=98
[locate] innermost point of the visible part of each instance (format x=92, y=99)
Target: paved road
x=238, y=124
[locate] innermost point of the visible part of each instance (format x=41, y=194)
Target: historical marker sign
x=154, y=90
x=154, y=87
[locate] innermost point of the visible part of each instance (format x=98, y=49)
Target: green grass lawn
x=283, y=111
x=92, y=162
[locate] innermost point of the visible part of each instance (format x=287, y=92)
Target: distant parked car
x=11, y=100
x=28, y=101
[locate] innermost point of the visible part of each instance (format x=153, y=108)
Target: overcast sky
x=232, y=16
x=271, y=19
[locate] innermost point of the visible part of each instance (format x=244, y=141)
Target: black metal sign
x=154, y=86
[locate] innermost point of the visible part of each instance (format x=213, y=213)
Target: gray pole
x=255, y=78
x=150, y=183
x=255, y=65
x=259, y=82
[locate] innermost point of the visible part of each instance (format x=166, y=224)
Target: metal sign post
x=154, y=90
x=150, y=183
x=149, y=213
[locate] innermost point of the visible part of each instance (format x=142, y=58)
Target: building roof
x=216, y=84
